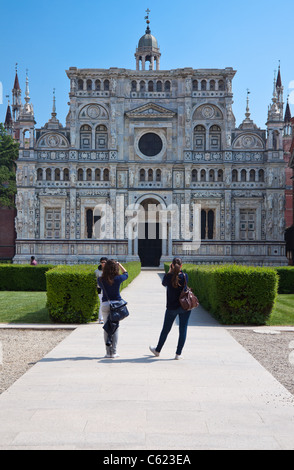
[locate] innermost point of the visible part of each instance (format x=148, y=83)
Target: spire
x=53, y=114
x=27, y=110
x=16, y=82
x=279, y=80
x=287, y=117
x=16, y=96
x=8, y=119
x=247, y=123
x=53, y=123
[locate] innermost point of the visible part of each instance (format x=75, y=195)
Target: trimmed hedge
x=21, y=277
x=286, y=279
x=72, y=292
x=235, y=294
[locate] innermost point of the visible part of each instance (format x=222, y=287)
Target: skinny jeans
x=110, y=350
x=169, y=318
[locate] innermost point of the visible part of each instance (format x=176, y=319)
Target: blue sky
x=49, y=37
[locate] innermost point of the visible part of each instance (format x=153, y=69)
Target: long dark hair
x=175, y=270
x=110, y=270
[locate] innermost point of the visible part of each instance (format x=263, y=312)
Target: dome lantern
x=147, y=50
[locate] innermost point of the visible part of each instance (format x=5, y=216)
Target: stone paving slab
x=217, y=397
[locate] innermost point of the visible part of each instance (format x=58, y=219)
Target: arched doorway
x=149, y=240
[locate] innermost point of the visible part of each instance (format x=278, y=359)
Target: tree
x=8, y=156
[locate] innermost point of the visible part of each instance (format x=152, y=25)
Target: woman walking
x=174, y=281
x=110, y=282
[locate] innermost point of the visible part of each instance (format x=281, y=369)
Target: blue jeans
x=170, y=316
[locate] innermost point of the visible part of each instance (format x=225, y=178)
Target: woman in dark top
x=174, y=281
x=110, y=282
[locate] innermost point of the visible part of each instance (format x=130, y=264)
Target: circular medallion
x=93, y=112
x=207, y=112
x=53, y=141
x=150, y=144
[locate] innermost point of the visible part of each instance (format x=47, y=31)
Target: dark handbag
x=118, y=308
x=188, y=299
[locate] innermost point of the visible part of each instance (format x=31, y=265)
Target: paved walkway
x=218, y=397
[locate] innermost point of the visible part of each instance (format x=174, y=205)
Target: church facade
x=150, y=165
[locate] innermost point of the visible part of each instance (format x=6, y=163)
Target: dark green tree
x=8, y=156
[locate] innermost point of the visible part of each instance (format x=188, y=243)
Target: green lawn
x=30, y=307
x=283, y=313
x=23, y=307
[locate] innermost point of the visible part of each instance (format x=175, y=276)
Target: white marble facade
x=166, y=137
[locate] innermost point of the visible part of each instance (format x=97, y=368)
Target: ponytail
x=175, y=270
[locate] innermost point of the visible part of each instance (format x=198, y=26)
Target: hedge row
x=72, y=294
x=235, y=294
x=21, y=277
x=286, y=279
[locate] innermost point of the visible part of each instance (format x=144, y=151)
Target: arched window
x=101, y=137
x=203, y=175
x=167, y=86
x=89, y=174
x=261, y=176
x=142, y=85
x=97, y=174
x=134, y=85
x=142, y=175
x=199, y=138
x=80, y=84
x=215, y=138
x=195, y=85
x=194, y=176
x=39, y=174
x=86, y=137
x=48, y=174
x=203, y=85
x=243, y=175
x=65, y=174
x=89, y=85
x=150, y=85
x=80, y=175
x=57, y=174
x=234, y=176
x=252, y=175
x=150, y=175
x=158, y=175
x=212, y=85
x=98, y=85
x=221, y=85
x=220, y=175
x=106, y=85
x=159, y=86
x=211, y=175
x=106, y=175
x=276, y=138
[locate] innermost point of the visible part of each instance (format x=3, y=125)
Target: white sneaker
x=114, y=355
x=153, y=350
x=178, y=357
x=108, y=356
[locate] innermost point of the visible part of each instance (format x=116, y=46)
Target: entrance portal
x=149, y=241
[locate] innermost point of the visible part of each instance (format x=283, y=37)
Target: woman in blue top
x=174, y=281
x=110, y=282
